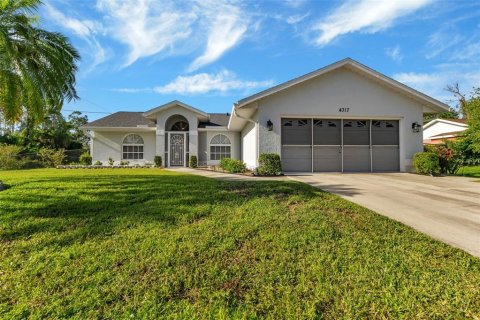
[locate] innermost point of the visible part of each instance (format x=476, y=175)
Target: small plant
x=426, y=163
x=98, y=163
x=193, y=162
x=51, y=157
x=158, y=161
x=269, y=164
x=110, y=161
x=232, y=165
x=124, y=163
x=86, y=159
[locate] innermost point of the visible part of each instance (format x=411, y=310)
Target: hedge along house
x=344, y=117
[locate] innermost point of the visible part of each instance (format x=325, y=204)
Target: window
x=347, y=124
x=220, y=147
x=376, y=124
x=317, y=123
x=132, y=147
x=389, y=124
x=331, y=124
x=302, y=123
x=361, y=124
x=288, y=123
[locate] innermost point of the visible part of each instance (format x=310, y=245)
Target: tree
x=79, y=138
x=472, y=112
x=37, y=67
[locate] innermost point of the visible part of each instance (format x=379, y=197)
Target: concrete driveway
x=446, y=208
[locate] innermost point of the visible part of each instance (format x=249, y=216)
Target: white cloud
x=84, y=29
x=394, y=53
x=296, y=18
x=434, y=83
x=228, y=26
x=146, y=27
x=442, y=40
x=368, y=16
x=201, y=83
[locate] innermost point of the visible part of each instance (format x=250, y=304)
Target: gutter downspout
x=257, y=129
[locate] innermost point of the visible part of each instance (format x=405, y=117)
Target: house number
x=343, y=109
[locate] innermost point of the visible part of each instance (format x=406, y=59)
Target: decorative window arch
x=132, y=147
x=220, y=147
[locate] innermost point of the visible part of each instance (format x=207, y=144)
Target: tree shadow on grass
x=74, y=208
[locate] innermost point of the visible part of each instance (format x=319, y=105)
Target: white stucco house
x=345, y=117
x=438, y=130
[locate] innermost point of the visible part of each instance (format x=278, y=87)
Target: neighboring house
x=438, y=130
x=344, y=117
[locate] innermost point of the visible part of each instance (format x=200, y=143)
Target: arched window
x=132, y=147
x=220, y=147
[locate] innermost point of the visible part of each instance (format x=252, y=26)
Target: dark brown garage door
x=334, y=145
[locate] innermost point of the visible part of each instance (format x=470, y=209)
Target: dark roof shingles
x=122, y=119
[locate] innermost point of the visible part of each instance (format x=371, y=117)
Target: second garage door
x=340, y=145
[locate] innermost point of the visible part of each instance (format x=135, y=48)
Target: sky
x=139, y=54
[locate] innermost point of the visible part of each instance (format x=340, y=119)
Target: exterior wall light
x=269, y=125
x=416, y=127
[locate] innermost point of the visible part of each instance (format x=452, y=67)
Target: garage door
x=327, y=145
x=385, y=145
x=334, y=145
x=297, y=144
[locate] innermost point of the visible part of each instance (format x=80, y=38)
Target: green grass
x=473, y=171
x=148, y=243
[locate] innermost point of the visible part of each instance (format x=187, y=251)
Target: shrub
x=193, y=162
x=110, y=161
x=124, y=163
x=9, y=157
x=426, y=163
x=51, y=157
x=232, y=165
x=269, y=164
x=86, y=159
x=158, y=161
x=98, y=163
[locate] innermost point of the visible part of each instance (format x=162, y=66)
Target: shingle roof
x=122, y=119
x=216, y=120
x=457, y=120
x=135, y=119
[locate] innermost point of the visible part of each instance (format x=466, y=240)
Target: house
x=438, y=130
x=345, y=117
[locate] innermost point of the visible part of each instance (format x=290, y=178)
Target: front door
x=177, y=149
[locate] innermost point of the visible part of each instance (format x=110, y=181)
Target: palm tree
x=37, y=67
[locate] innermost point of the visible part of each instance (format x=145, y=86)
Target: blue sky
x=139, y=54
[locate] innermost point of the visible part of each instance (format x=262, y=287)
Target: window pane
x=140, y=148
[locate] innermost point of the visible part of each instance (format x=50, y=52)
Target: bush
x=193, y=162
x=86, y=159
x=9, y=157
x=124, y=163
x=232, y=165
x=98, y=163
x=158, y=161
x=269, y=164
x=110, y=161
x=51, y=157
x=426, y=163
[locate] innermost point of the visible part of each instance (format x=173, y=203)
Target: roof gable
x=453, y=122
x=150, y=113
x=358, y=67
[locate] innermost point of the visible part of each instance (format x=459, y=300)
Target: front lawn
x=149, y=243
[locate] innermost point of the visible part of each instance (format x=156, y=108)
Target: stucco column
x=160, y=143
x=193, y=143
